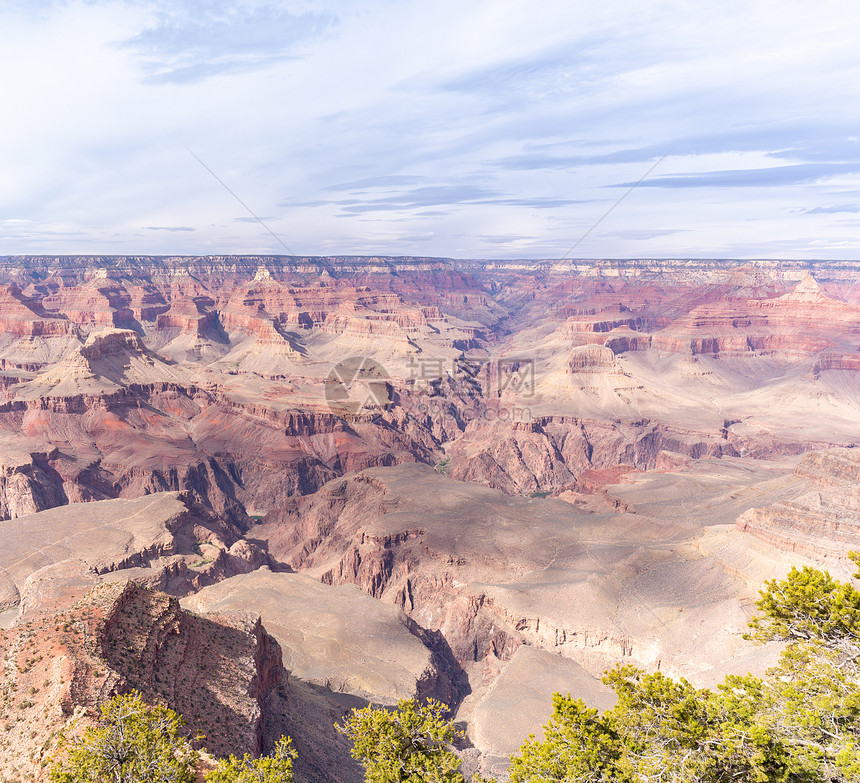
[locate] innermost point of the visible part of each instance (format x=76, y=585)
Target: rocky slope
x=164, y=540
x=226, y=678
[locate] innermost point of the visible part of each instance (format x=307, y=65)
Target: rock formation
x=51, y=557
x=569, y=464
x=335, y=637
x=820, y=516
x=226, y=678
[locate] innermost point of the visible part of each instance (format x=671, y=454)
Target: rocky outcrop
x=607, y=321
x=22, y=316
x=822, y=517
x=796, y=325
x=226, y=678
x=159, y=648
x=548, y=453
x=849, y=362
x=28, y=483
x=335, y=637
x=622, y=342
x=112, y=342
x=53, y=557
x=592, y=358
x=232, y=454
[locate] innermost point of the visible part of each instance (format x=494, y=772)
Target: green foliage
x=276, y=768
x=799, y=724
x=808, y=605
x=133, y=742
x=811, y=703
x=577, y=745
x=410, y=744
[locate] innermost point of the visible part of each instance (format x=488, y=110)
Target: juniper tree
x=409, y=744
x=132, y=742
x=275, y=768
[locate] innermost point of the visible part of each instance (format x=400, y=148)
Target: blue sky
x=495, y=129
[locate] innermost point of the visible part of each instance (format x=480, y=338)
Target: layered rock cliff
x=821, y=517
x=226, y=678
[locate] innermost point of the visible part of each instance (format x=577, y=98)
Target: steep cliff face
x=23, y=316
x=226, y=678
x=143, y=438
x=799, y=323
x=29, y=483
x=822, y=517
x=220, y=676
x=548, y=453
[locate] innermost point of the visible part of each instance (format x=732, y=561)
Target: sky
x=468, y=129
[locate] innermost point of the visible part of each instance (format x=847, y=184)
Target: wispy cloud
x=789, y=141
x=644, y=233
x=189, y=43
x=550, y=74
x=831, y=210
x=450, y=195
x=384, y=181
x=504, y=239
x=777, y=176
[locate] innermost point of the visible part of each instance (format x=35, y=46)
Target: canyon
x=318, y=483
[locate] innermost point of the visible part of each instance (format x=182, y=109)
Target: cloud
x=831, y=210
x=777, y=176
x=548, y=74
x=503, y=239
x=169, y=228
x=450, y=195
x=384, y=181
x=192, y=43
x=644, y=233
x=788, y=141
